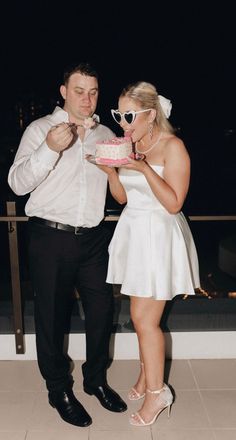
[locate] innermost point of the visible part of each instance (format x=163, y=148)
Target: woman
x=152, y=252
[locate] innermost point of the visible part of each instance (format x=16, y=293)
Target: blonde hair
x=147, y=96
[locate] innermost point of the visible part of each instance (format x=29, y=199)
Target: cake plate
x=97, y=161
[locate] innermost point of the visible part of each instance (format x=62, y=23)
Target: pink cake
x=114, y=151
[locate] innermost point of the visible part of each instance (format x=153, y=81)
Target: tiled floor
x=204, y=407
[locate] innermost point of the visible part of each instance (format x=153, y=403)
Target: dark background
x=187, y=49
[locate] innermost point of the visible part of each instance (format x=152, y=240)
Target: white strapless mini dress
x=152, y=252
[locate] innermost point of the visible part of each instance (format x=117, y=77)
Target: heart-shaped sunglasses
x=128, y=116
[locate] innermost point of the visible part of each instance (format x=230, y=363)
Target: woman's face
x=139, y=127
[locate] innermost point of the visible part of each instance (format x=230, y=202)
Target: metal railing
x=12, y=219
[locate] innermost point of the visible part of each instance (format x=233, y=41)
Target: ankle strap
x=156, y=391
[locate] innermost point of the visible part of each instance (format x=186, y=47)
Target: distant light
x=229, y=131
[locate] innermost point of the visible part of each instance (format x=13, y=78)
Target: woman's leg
x=146, y=315
x=138, y=390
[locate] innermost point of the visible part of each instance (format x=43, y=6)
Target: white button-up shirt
x=65, y=187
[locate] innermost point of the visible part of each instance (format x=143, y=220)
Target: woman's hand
x=107, y=169
x=137, y=164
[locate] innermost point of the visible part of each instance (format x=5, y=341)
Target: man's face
x=80, y=95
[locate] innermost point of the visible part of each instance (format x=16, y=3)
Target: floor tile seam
x=214, y=435
x=224, y=429
x=31, y=413
x=60, y=429
x=217, y=389
x=121, y=429
x=193, y=374
x=128, y=430
x=199, y=393
x=205, y=408
x=20, y=390
x=14, y=430
x=185, y=390
x=188, y=429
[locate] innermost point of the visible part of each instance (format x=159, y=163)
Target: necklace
x=150, y=148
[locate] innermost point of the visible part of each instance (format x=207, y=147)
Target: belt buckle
x=78, y=230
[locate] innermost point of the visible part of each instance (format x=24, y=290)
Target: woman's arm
x=116, y=188
x=171, y=190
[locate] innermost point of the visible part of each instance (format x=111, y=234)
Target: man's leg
x=53, y=264
x=97, y=300
x=52, y=280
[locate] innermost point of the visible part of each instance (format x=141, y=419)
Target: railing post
x=15, y=280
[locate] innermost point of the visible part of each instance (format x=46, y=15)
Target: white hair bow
x=166, y=105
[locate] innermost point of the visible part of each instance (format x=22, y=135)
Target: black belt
x=77, y=230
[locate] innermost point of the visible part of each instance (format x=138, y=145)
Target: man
x=68, y=241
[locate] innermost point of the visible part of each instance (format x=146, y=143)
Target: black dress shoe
x=108, y=398
x=69, y=408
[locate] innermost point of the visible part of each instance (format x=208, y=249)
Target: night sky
x=187, y=49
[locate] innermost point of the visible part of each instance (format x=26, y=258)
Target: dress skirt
x=152, y=252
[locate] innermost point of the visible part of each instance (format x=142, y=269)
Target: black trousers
x=60, y=261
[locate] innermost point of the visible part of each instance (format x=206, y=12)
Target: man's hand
x=60, y=136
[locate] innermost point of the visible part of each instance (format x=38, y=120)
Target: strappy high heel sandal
x=133, y=394
x=164, y=397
